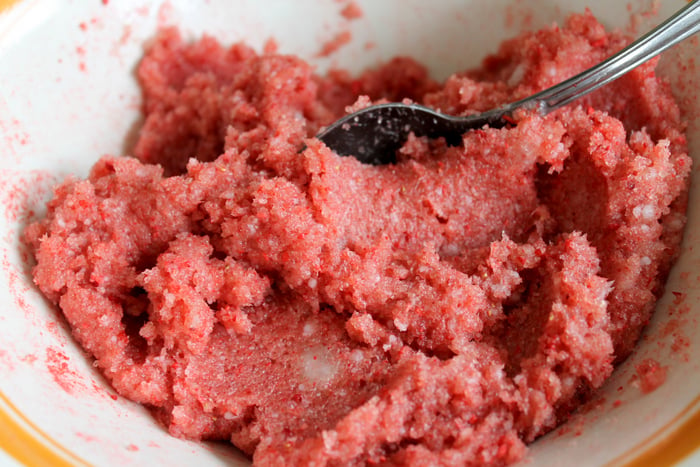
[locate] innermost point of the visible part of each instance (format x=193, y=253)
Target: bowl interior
x=69, y=95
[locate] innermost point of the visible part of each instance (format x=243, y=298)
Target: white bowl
x=68, y=95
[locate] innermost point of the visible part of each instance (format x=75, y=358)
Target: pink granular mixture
x=450, y=308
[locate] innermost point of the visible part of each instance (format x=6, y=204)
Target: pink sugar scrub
x=450, y=308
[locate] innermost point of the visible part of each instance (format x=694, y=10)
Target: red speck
x=352, y=11
x=131, y=447
x=105, y=2
x=680, y=342
x=617, y=403
x=29, y=358
x=83, y=67
x=86, y=437
x=271, y=46
x=4, y=358
x=63, y=375
x=83, y=26
x=114, y=397
x=679, y=297
x=651, y=375
x=165, y=14
x=331, y=46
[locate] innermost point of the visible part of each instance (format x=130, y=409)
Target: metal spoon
x=373, y=134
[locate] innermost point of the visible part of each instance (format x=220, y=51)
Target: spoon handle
x=678, y=27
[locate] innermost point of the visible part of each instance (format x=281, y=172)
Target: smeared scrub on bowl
x=449, y=308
